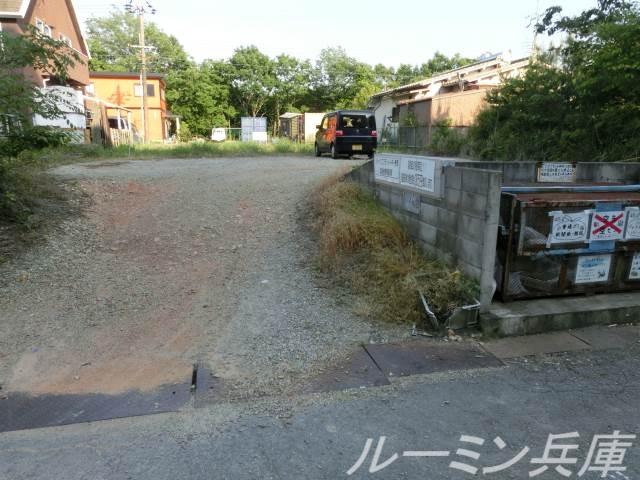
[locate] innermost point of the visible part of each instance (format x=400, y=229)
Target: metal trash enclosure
x=564, y=240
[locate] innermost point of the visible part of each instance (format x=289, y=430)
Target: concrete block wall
x=459, y=225
x=587, y=172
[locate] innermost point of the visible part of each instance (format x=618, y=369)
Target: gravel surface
x=176, y=262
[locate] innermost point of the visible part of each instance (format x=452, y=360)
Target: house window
x=43, y=28
x=395, y=114
x=63, y=38
x=151, y=90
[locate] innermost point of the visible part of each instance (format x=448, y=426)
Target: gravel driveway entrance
x=175, y=262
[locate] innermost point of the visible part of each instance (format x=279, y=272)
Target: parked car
x=218, y=135
x=347, y=132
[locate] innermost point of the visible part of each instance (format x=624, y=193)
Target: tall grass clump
x=365, y=249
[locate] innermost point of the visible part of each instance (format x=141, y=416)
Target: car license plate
x=356, y=147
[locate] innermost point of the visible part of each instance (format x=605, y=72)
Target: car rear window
x=355, y=121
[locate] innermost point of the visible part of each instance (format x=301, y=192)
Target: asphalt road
x=322, y=436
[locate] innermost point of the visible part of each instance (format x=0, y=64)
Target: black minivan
x=347, y=132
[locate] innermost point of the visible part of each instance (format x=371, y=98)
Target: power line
x=139, y=8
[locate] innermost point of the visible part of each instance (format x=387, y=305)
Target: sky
x=374, y=31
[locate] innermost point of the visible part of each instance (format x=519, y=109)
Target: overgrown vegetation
x=447, y=140
x=578, y=102
x=365, y=249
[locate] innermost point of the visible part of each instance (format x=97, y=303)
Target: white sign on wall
x=633, y=224
x=569, y=227
x=549, y=172
x=607, y=225
x=593, y=269
x=387, y=168
x=634, y=271
x=418, y=173
x=409, y=171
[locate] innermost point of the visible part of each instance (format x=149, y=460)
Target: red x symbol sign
x=608, y=224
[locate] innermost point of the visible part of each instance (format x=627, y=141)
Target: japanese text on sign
x=556, y=173
x=634, y=270
x=387, y=169
x=607, y=225
x=593, y=269
x=633, y=224
x=409, y=171
x=569, y=227
x=418, y=173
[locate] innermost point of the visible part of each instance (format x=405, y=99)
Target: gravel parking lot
x=176, y=262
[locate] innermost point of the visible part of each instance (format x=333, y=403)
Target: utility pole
x=139, y=8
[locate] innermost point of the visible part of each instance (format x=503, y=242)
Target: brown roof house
x=406, y=115
x=56, y=19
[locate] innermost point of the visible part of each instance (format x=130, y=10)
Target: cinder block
x=452, y=198
x=383, y=197
x=473, y=204
x=453, y=178
x=475, y=181
x=471, y=227
x=428, y=234
x=519, y=172
x=395, y=200
x=446, y=242
x=429, y=213
x=412, y=225
x=470, y=252
x=448, y=220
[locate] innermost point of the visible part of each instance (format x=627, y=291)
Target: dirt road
x=175, y=262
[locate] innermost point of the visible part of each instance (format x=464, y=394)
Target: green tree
x=336, y=80
x=522, y=119
x=200, y=95
x=291, y=78
x=252, y=80
x=110, y=41
x=19, y=97
x=582, y=104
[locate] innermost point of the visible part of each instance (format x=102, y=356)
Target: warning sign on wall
x=387, y=169
x=634, y=270
x=549, y=172
x=607, y=225
x=633, y=224
x=593, y=269
x=569, y=227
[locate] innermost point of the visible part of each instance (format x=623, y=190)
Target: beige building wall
x=121, y=91
x=461, y=107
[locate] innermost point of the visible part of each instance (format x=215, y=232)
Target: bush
x=447, y=140
x=32, y=138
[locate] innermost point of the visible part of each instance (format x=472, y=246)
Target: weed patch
x=365, y=249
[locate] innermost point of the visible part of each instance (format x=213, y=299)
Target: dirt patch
x=176, y=263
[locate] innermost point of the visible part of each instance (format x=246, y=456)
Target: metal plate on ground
x=209, y=387
x=542, y=343
x=19, y=411
x=601, y=337
x=420, y=357
x=357, y=371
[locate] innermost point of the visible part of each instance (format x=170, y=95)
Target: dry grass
x=365, y=248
